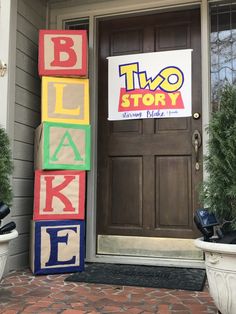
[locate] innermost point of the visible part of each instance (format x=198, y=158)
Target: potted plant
x=218, y=193
x=7, y=232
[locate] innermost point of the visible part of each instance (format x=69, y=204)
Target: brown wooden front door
x=147, y=182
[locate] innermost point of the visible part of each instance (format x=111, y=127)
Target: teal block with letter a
x=62, y=146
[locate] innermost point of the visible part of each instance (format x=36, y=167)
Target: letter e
x=55, y=240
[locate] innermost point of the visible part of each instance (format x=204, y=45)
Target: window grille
x=78, y=25
x=223, y=47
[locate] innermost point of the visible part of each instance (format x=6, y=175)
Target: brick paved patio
x=21, y=292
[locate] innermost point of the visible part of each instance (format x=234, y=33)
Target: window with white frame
x=223, y=47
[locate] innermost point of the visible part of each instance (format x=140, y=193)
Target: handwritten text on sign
x=147, y=86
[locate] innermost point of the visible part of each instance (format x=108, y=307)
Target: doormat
x=142, y=276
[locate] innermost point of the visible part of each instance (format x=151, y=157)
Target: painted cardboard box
x=59, y=195
x=65, y=100
x=57, y=246
x=63, y=53
x=62, y=146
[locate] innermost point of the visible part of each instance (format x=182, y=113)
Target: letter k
x=55, y=191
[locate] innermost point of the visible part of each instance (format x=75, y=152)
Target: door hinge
x=3, y=68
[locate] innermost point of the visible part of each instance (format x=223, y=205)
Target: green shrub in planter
x=6, y=168
x=219, y=190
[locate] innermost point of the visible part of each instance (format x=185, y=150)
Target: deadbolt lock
x=196, y=115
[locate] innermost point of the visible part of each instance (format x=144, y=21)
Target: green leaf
x=6, y=168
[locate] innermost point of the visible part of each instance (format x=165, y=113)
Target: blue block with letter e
x=57, y=246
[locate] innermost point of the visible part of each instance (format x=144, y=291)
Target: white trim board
x=8, y=17
x=148, y=261
x=62, y=11
x=5, y=11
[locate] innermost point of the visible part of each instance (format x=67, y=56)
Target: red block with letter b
x=62, y=53
x=59, y=195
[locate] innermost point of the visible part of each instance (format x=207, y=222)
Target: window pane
x=78, y=25
x=223, y=47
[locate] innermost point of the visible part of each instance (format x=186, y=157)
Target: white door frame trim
x=5, y=12
x=94, y=16
x=8, y=17
x=8, y=26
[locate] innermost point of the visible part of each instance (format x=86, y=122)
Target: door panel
x=173, y=203
x=169, y=37
x=126, y=180
x=126, y=126
x=146, y=168
x=172, y=124
x=119, y=42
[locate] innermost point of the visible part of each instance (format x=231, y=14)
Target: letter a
x=63, y=45
x=69, y=144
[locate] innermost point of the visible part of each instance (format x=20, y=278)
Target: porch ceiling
x=75, y=2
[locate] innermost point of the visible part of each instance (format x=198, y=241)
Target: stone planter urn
x=220, y=261
x=4, y=245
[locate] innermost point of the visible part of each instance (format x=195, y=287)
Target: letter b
x=63, y=53
x=63, y=45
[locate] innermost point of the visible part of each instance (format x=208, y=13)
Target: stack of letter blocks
x=62, y=154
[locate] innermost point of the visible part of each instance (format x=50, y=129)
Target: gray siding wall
x=31, y=16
